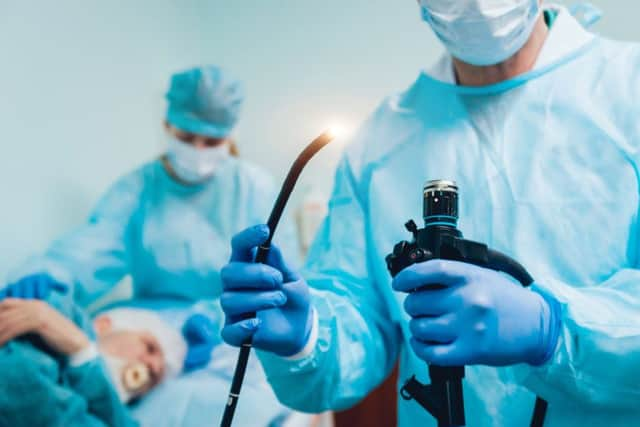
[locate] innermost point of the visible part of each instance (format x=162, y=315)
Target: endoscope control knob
x=412, y=227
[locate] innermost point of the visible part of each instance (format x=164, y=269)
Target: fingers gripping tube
x=261, y=257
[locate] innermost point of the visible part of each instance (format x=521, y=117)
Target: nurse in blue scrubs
x=168, y=224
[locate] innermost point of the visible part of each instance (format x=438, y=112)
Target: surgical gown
x=548, y=169
x=170, y=238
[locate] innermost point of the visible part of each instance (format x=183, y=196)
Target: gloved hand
x=201, y=335
x=465, y=315
x=37, y=286
x=278, y=295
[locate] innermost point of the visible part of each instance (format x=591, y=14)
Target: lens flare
x=335, y=130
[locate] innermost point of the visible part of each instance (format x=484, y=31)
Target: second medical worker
x=167, y=224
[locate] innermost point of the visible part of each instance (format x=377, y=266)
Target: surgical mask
x=482, y=32
x=129, y=379
x=195, y=165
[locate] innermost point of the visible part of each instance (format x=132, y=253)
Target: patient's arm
x=19, y=317
x=32, y=392
x=30, y=377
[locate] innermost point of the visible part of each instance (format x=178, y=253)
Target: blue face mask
x=482, y=32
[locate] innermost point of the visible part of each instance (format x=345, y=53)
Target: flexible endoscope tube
x=261, y=256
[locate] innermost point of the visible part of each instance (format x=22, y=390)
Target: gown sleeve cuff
x=555, y=368
x=551, y=324
x=306, y=359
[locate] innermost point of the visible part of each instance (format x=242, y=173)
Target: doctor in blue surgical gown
x=547, y=159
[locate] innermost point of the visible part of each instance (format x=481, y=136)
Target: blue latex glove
x=279, y=296
x=473, y=315
x=37, y=286
x=202, y=336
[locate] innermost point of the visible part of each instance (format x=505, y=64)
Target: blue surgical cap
x=204, y=100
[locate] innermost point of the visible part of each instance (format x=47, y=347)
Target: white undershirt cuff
x=311, y=342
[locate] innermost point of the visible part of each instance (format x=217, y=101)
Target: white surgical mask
x=482, y=32
x=195, y=165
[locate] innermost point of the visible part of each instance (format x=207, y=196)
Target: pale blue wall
x=81, y=85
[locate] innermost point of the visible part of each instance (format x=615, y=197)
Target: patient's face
x=132, y=346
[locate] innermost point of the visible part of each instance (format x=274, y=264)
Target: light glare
x=335, y=130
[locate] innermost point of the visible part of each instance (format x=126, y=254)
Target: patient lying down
x=56, y=371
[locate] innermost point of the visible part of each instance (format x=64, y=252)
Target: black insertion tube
x=261, y=256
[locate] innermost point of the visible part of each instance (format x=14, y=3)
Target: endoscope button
x=416, y=255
